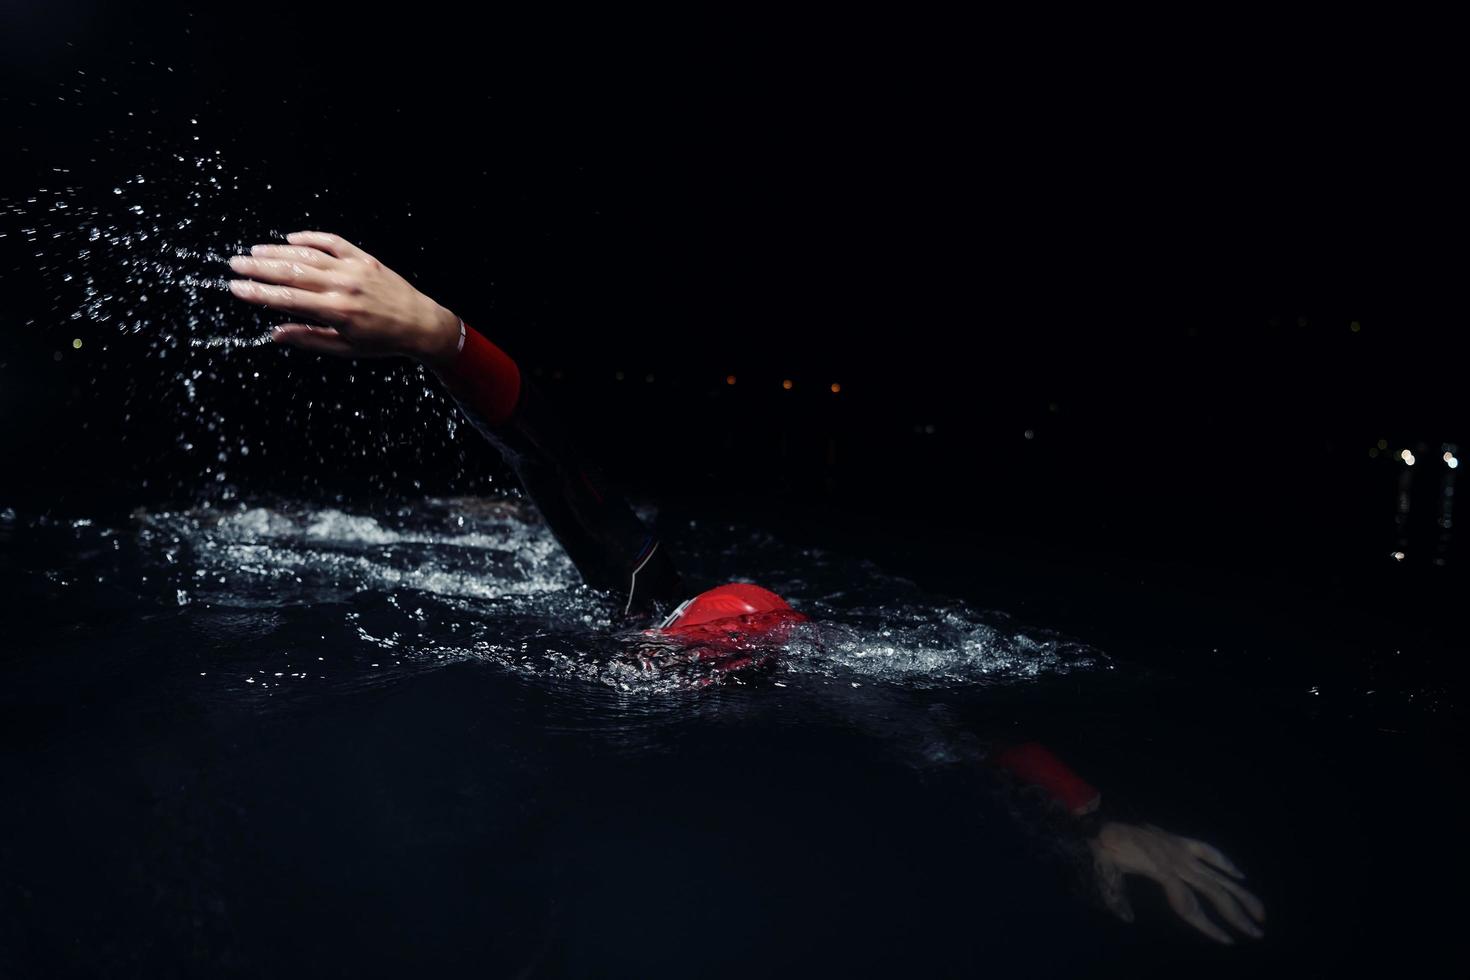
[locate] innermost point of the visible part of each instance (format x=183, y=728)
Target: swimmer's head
x=740, y=603
x=731, y=628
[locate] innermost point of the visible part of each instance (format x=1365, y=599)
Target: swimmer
x=361, y=308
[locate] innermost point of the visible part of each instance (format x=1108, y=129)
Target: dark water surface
x=401, y=738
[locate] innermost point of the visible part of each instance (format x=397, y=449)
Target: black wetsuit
x=610, y=546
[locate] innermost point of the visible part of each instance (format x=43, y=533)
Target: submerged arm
x=1060, y=809
x=1183, y=867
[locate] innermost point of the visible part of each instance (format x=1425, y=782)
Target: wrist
x=440, y=340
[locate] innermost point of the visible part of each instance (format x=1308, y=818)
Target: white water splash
x=463, y=578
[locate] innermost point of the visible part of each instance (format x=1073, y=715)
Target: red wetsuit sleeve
x=483, y=379
x=1032, y=763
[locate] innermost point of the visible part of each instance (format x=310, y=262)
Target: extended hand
x=1182, y=866
x=371, y=310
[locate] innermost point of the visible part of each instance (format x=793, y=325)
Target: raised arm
x=370, y=311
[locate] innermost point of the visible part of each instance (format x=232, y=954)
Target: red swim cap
x=724, y=602
x=738, y=610
x=730, y=627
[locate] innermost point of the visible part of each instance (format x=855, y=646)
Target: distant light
x=786, y=384
x=648, y=378
x=1355, y=326
x=1397, y=556
x=77, y=345
x=1407, y=457
x=1452, y=461
x=1372, y=452
x=619, y=375
x=1030, y=433
x=1382, y=443
x=836, y=387
x=729, y=379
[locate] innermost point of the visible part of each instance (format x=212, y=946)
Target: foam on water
x=463, y=578
x=299, y=554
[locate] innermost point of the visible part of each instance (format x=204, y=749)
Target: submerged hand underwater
x=730, y=631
